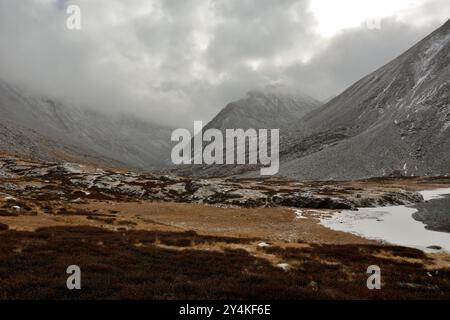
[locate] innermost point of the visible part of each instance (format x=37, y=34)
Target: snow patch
x=263, y=245
x=284, y=266
x=299, y=214
x=434, y=194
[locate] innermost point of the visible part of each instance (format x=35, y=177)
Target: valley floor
x=136, y=247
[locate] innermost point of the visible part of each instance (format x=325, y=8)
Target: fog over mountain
x=39, y=127
x=188, y=59
x=113, y=91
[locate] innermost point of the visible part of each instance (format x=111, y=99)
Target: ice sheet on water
x=393, y=224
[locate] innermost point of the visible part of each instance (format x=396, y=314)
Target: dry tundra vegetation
x=130, y=245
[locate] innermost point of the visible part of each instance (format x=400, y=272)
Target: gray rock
x=178, y=188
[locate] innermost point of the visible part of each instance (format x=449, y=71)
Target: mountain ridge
x=263, y=110
x=394, y=119
x=260, y=109
x=63, y=130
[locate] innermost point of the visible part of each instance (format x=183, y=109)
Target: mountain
x=269, y=109
x=272, y=108
x=46, y=129
x=396, y=119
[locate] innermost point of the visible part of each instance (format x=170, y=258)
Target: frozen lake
x=394, y=224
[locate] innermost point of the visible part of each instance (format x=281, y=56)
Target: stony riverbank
x=42, y=181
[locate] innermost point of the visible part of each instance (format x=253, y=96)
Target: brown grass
x=143, y=250
x=133, y=265
x=269, y=224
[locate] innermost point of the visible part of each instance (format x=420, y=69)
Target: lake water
x=396, y=224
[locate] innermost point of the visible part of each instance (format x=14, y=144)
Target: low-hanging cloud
x=174, y=61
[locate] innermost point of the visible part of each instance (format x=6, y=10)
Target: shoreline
x=392, y=225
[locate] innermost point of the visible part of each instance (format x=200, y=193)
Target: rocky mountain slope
x=272, y=108
x=395, y=119
x=43, y=128
x=269, y=109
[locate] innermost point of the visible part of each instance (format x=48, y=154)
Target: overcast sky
x=174, y=61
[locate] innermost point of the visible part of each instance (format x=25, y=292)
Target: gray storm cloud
x=175, y=61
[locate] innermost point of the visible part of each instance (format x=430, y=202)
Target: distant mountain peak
x=446, y=25
x=263, y=109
